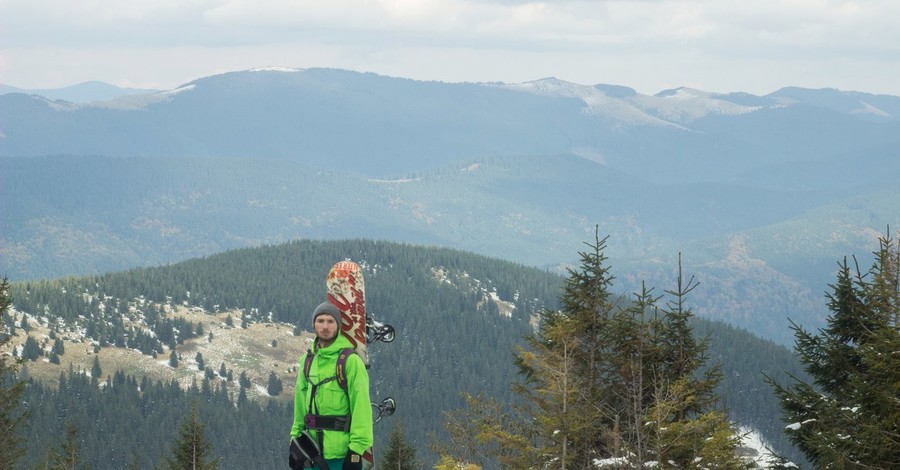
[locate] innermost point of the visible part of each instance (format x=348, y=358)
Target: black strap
x=342, y=421
x=320, y=461
x=327, y=422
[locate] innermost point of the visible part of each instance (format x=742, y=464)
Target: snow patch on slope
x=596, y=101
x=756, y=450
x=684, y=105
x=670, y=108
x=276, y=69
x=869, y=109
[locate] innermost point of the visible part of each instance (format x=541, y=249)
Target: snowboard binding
x=384, y=409
x=377, y=331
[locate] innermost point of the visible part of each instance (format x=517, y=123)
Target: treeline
x=125, y=420
x=451, y=338
x=284, y=280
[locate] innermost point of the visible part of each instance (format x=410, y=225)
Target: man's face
x=326, y=328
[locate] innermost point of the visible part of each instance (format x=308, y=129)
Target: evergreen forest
x=459, y=320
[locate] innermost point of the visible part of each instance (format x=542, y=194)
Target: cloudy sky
x=756, y=46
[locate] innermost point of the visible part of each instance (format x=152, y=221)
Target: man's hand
x=295, y=461
x=352, y=461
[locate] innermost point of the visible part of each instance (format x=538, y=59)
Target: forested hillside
x=458, y=317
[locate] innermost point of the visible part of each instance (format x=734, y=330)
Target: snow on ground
x=276, y=69
x=756, y=448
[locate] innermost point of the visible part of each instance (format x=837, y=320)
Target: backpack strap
x=307, y=363
x=313, y=420
x=340, y=368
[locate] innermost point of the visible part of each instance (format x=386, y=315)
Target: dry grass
x=247, y=350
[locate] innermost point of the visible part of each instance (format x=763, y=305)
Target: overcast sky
x=755, y=46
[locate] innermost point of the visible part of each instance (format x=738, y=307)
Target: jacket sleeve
x=361, y=433
x=299, y=399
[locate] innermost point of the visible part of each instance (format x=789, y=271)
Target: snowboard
x=347, y=290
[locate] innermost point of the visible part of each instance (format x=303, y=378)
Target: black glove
x=295, y=462
x=352, y=461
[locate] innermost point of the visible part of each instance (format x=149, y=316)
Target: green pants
x=333, y=464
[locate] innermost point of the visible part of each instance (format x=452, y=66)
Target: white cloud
x=726, y=45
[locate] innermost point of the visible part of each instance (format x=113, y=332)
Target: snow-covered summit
x=675, y=107
x=684, y=105
x=276, y=69
x=597, y=101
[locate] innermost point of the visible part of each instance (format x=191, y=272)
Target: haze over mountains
x=85, y=92
x=760, y=194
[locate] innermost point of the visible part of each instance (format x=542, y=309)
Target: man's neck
x=325, y=343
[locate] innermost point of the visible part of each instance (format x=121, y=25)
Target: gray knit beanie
x=327, y=308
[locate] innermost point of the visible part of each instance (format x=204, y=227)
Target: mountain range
x=85, y=92
x=759, y=196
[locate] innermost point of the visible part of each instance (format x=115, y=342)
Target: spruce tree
x=274, y=387
x=848, y=416
x=96, y=370
x=58, y=347
x=69, y=457
x=244, y=380
x=31, y=350
x=611, y=380
x=584, y=321
x=192, y=450
x=242, y=397
x=400, y=454
x=12, y=419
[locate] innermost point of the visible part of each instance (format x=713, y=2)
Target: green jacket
x=332, y=400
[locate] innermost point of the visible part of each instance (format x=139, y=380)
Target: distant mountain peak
x=596, y=99
x=84, y=92
x=863, y=105
x=683, y=105
x=276, y=68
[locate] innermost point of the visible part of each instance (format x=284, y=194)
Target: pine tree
x=274, y=387
x=12, y=444
x=608, y=379
x=242, y=397
x=848, y=416
x=244, y=380
x=58, y=347
x=672, y=417
x=96, y=370
x=173, y=359
x=400, y=454
x=31, y=350
x=192, y=450
x=69, y=457
x=583, y=371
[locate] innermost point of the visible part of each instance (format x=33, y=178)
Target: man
x=338, y=421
